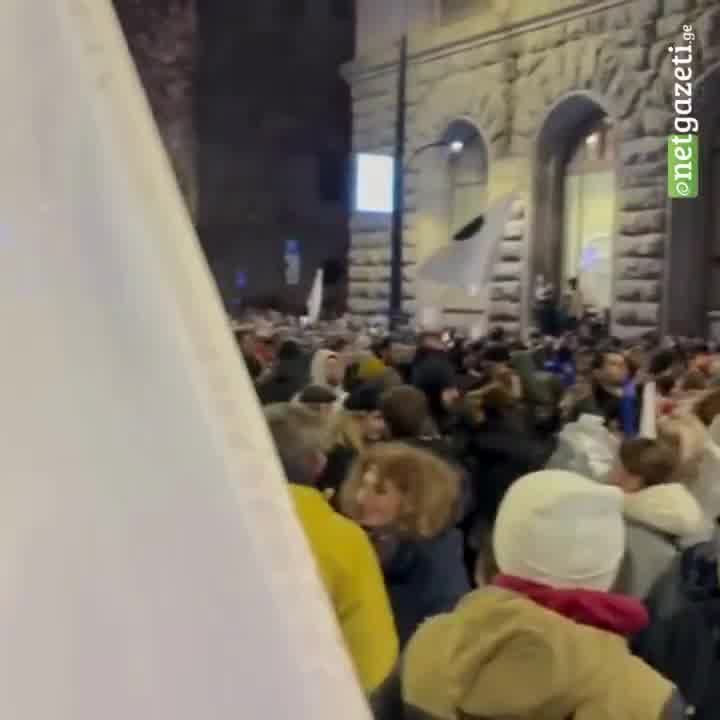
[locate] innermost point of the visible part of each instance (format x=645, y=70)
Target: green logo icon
x=683, y=166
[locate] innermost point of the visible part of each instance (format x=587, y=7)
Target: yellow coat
x=349, y=568
x=500, y=656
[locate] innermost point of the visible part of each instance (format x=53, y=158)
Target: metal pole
x=396, y=238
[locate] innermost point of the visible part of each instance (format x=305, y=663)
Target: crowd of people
x=474, y=569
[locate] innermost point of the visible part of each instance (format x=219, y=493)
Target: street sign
x=292, y=262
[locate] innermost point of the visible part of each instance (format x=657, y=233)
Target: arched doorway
x=692, y=302
x=574, y=199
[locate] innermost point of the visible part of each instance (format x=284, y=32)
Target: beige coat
x=500, y=656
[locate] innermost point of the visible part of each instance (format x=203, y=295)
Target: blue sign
x=240, y=279
x=292, y=247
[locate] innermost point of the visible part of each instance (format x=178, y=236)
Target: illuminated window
x=589, y=213
x=374, y=180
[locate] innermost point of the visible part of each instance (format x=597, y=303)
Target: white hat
x=560, y=529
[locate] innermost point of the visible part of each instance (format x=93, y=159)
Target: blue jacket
x=425, y=578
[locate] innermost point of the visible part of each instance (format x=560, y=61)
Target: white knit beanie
x=560, y=529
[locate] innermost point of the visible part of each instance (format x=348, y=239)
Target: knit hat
x=317, y=395
x=370, y=369
x=559, y=529
x=366, y=398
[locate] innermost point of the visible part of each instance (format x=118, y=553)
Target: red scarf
x=616, y=613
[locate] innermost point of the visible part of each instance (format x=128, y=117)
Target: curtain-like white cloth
x=150, y=564
x=469, y=265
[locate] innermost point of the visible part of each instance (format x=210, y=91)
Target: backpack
x=683, y=640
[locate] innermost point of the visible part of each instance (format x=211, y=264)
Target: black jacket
x=682, y=641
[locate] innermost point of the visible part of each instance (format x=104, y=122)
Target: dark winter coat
x=424, y=578
x=290, y=375
x=683, y=639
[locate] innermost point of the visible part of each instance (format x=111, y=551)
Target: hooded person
x=662, y=516
x=327, y=370
x=289, y=375
x=548, y=640
x=436, y=377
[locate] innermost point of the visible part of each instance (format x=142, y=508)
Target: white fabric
x=469, y=264
x=560, y=529
x=648, y=419
x=586, y=447
x=315, y=301
x=707, y=486
x=151, y=564
x=670, y=509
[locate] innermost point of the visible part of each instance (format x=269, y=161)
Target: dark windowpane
x=289, y=9
x=331, y=177
x=342, y=9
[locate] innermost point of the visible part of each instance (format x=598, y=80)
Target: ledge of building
x=483, y=29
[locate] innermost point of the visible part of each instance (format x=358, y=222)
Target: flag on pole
x=648, y=417
x=315, y=300
x=152, y=565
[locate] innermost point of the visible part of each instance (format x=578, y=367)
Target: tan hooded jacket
x=500, y=656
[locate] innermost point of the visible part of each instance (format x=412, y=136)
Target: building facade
x=161, y=36
x=568, y=104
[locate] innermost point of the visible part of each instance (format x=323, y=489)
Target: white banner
x=151, y=562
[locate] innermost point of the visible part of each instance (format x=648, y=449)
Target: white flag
x=469, y=264
x=648, y=417
x=151, y=564
x=315, y=300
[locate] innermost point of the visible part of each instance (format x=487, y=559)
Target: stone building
x=161, y=35
x=569, y=104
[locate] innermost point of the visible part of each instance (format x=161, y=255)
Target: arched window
x=467, y=175
x=589, y=213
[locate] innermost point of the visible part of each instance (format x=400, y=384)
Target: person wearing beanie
x=372, y=369
x=357, y=425
x=436, y=377
x=289, y=375
x=547, y=640
x=326, y=369
x=319, y=399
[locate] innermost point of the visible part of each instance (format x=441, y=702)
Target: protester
x=406, y=411
x=319, y=399
x=346, y=560
x=327, y=370
x=247, y=344
x=611, y=395
x=357, y=425
x=289, y=375
x=548, y=640
x=406, y=499
x=435, y=376
x=661, y=514
x=681, y=640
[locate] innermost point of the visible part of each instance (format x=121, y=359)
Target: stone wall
x=161, y=36
x=615, y=55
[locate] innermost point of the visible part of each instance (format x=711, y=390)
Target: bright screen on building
x=374, y=180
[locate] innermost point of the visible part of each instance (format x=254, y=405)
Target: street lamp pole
x=396, y=238
x=397, y=316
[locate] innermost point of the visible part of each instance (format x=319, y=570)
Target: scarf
x=617, y=614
